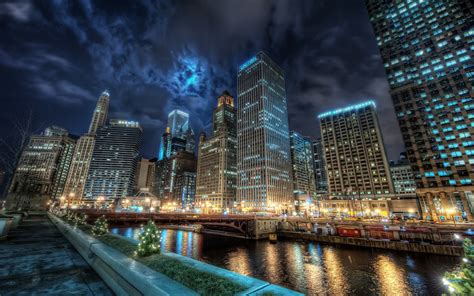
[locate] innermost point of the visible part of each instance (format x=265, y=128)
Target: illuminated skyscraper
x=114, y=160
x=264, y=180
x=427, y=50
x=100, y=112
x=304, y=185
x=76, y=179
x=179, y=136
x=217, y=157
x=356, y=162
x=41, y=170
x=178, y=122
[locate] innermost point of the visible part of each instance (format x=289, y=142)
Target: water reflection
x=312, y=268
x=391, y=276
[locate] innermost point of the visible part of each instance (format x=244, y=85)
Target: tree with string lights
x=461, y=281
x=101, y=227
x=149, y=240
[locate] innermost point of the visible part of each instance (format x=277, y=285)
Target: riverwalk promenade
x=36, y=259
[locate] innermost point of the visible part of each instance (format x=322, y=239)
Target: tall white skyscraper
x=76, y=180
x=101, y=110
x=264, y=180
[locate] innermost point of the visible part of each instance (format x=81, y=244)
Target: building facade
x=354, y=151
x=145, y=175
x=426, y=47
x=319, y=167
x=41, y=168
x=264, y=181
x=179, y=136
x=403, y=180
x=304, y=184
x=79, y=168
x=217, y=160
x=63, y=166
x=167, y=187
x=114, y=160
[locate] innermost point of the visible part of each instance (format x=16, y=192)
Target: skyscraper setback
x=426, y=47
x=356, y=162
x=264, y=181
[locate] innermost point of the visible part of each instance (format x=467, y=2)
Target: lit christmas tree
x=101, y=227
x=149, y=240
x=461, y=281
x=80, y=219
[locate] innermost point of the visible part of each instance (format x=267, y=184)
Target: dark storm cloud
x=154, y=56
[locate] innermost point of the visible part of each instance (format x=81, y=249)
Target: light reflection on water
x=312, y=268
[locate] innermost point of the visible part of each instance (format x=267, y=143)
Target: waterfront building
x=76, y=180
x=63, y=165
x=185, y=190
x=403, y=180
x=168, y=171
x=217, y=157
x=264, y=181
x=304, y=185
x=354, y=151
x=319, y=167
x=40, y=171
x=145, y=176
x=426, y=47
x=114, y=160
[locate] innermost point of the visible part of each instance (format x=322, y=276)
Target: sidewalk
x=37, y=260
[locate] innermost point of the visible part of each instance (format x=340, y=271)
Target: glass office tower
x=264, y=181
x=427, y=50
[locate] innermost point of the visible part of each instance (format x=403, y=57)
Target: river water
x=313, y=268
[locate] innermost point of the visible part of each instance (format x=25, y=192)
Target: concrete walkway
x=37, y=260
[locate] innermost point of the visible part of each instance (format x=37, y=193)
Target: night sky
x=56, y=57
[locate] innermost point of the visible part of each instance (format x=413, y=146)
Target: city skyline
x=237, y=147
x=189, y=75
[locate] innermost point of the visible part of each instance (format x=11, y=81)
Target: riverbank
x=36, y=259
x=165, y=274
x=379, y=244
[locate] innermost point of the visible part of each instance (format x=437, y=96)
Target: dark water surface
x=313, y=268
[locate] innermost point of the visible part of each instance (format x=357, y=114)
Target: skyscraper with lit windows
x=354, y=151
x=217, y=163
x=304, y=185
x=81, y=159
x=427, y=50
x=264, y=181
x=114, y=160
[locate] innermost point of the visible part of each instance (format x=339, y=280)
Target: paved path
x=37, y=260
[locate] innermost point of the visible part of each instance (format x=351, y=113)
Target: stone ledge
x=122, y=274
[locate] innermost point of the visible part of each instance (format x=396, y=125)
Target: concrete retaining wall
x=126, y=276
x=391, y=245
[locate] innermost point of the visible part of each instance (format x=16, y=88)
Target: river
x=313, y=268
